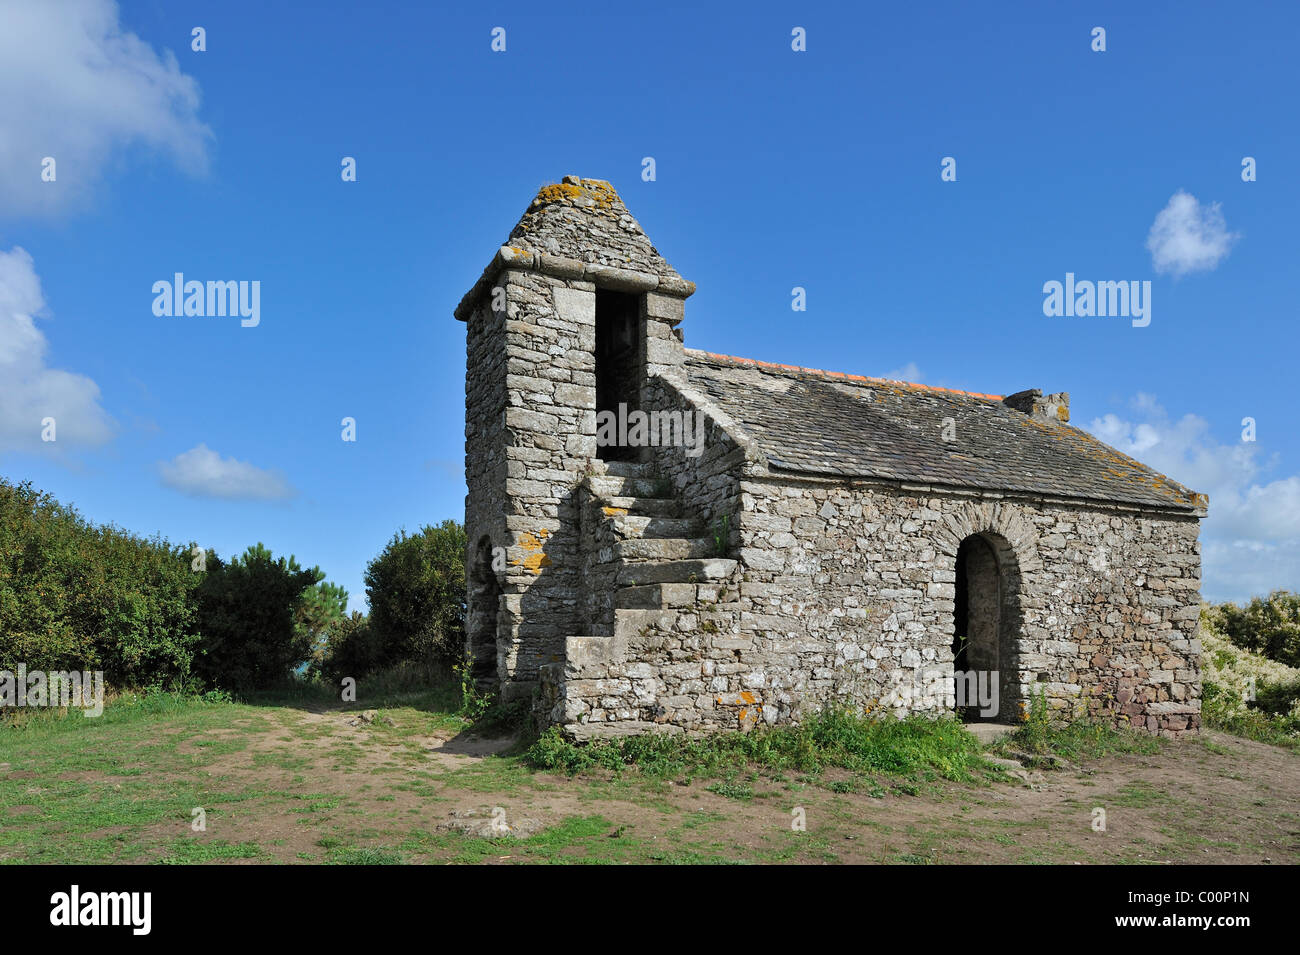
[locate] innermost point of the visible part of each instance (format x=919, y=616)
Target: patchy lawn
x=296, y=780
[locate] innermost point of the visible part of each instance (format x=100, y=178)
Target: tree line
x=150, y=613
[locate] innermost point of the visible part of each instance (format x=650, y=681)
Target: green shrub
x=1246, y=693
x=249, y=618
x=350, y=649
x=1279, y=699
x=320, y=612
x=416, y=590
x=1270, y=627
x=74, y=595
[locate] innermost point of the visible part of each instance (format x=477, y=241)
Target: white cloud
x=202, y=472
x=908, y=372
x=29, y=390
x=1239, y=570
x=1251, y=538
x=75, y=87
x=1188, y=237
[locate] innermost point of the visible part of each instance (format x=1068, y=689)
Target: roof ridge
x=734, y=359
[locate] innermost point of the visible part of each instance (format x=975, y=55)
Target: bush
x=74, y=595
x=350, y=649
x=1280, y=699
x=1267, y=626
x=253, y=637
x=320, y=611
x=416, y=589
x=1246, y=693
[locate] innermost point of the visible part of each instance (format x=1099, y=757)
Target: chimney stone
x=1054, y=407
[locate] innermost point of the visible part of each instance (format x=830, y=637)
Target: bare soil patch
x=1217, y=799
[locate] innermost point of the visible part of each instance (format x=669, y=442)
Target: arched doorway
x=481, y=626
x=986, y=627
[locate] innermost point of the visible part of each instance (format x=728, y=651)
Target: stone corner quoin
x=752, y=554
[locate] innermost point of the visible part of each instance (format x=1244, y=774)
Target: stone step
x=630, y=623
x=587, y=651
x=645, y=506
x=633, y=525
x=988, y=733
x=629, y=469
x=655, y=596
x=675, y=571
x=665, y=548
x=630, y=487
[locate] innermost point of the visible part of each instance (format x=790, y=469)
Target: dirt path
x=1218, y=799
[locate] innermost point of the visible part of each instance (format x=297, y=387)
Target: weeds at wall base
x=916, y=748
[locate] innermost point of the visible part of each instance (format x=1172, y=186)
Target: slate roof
x=824, y=423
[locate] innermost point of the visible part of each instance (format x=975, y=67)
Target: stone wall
x=1104, y=607
x=537, y=426
x=708, y=483
x=485, y=475
x=846, y=593
x=599, y=566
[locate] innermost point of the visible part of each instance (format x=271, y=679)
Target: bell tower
x=573, y=315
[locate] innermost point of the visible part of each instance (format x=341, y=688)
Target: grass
x=916, y=749
x=189, y=852
x=121, y=787
x=282, y=776
x=733, y=790
x=126, y=783
x=1078, y=741
x=1222, y=709
x=1041, y=736
x=365, y=855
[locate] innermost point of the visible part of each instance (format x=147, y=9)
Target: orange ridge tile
x=737, y=360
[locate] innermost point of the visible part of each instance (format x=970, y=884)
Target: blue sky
x=774, y=169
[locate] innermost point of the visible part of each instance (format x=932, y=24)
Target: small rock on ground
x=485, y=824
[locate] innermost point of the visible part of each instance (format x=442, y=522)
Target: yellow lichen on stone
x=558, y=192
x=596, y=191
x=533, y=560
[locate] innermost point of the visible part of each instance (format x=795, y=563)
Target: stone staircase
x=654, y=568
x=661, y=554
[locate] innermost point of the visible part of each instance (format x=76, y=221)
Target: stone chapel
x=694, y=542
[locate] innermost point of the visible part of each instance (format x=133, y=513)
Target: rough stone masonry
x=839, y=540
